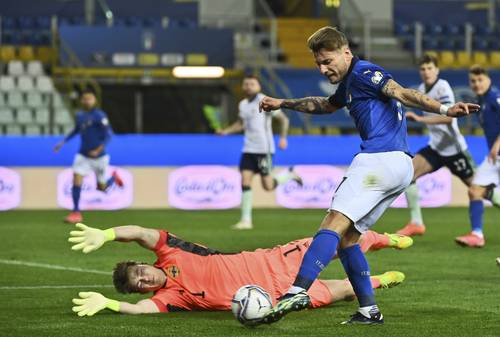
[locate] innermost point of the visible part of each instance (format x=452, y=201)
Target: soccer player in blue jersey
x=93, y=126
x=487, y=176
x=378, y=174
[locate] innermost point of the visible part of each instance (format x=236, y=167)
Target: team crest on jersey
x=377, y=77
x=173, y=271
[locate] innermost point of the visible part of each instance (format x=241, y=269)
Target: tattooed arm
x=312, y=105
x=415, y=99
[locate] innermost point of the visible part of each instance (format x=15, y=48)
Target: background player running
x=95, y=132
x=487, y=176
x=258, y=147
x=447, y=146
x=188, y=276
x=375, y=178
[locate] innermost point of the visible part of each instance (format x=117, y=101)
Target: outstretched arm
x=311, y=105
x=236, y=127
x=284, y=125
x=89, y=239
x=429, y=120
x=415, y=99
x=90, y=303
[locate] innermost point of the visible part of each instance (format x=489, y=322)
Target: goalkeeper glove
x=90, y=303
x=90, y=239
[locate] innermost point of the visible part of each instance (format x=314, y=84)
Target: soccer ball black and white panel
x=250, y=303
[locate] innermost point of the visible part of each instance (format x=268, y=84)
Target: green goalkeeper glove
x=90, y=239
x=90, y=303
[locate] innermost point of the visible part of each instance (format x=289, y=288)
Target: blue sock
x=358, y=271
x=75, y=193
x=476, y=210
x=110, y=181
x=318, y=255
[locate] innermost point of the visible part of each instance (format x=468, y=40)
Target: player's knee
x=269, y=186
x=245, y=188
x=337, y=222
x=476, y=192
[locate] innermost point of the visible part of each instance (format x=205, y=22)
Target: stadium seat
x=24, y=116
x=15, y=68
x=495, y=59
x=44, y=84
x=26, y=53
x=65, y=129
x=480, y=44
x=63, y=117
x=446, y=59
x=14, y=130
x=34, y=99
x=432, y=53
x=44, y=54
x=7, y=53
x=32, y=130
x=6, y=115
x=42, y=116
x=7, y=83
x=25, y=83
x=15, y=99
x=480, y=57
x=35, y=68
x=57, y=100
x=2, y=99
x=463, y=59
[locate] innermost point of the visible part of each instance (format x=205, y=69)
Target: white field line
x=52, y=266
x=82, y=286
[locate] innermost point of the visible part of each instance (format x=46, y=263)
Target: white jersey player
x=258, y=147
x=447, y=146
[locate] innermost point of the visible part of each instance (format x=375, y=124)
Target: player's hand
x=89, y=239
x=58, y=146
x=462, y=109
x=493, y=155
x=412, y=116
x=269, y=104
x=283, y=143
x=89, y=303
x=220, y=132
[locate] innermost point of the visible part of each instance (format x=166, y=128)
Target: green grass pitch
x=449, y=290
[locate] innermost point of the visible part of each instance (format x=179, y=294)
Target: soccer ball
x=250, y=303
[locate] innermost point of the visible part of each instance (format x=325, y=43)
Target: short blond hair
x=329, y=38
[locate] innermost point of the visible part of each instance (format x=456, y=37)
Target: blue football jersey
x=380, y=120
x=489, y=115
x=94, y=129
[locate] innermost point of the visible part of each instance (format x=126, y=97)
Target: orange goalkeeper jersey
x=199, y=278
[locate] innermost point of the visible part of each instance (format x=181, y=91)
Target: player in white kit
x=258, y=147
x=447, y=146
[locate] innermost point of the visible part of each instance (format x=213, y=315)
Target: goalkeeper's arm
x=88, y=239
x=89, y=303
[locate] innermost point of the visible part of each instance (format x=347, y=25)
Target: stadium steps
x=292, y=39
x=387, y=51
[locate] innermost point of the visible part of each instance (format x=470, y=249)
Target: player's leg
x=425, y=161
x=99, y=166
x=486, y=177
x=248, y=168
x=81, y=167
x=270, y=181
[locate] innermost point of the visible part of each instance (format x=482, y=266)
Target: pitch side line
x=82, y=286
x=52, y=266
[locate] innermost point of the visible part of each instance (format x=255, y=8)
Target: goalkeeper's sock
x=358, y=271
x=411, y=194
x=246, y=204
x=75, y=194
x=476, y=210
x=318, y=255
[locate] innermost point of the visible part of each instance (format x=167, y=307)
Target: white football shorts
x=370, y=185
x=487, y=173
x=83, y=166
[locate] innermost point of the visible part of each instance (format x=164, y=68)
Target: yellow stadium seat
x=26, y=53
x=479, y=57
x=446, y=59
x=432, y=53
x=463, y=60
x=7, y=53
x=44, y=54
x=495, y=59
x=196, y=59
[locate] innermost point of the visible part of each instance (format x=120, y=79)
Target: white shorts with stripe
x=83, y=166
x=370, y=185
x=487, y=173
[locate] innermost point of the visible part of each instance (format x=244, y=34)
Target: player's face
x=251, y=87
x=333, y=64
x=145, y=278
x=479, y=83
x=429, y=73
x=88, y=101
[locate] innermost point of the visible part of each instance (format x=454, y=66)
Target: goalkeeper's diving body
x=187, y=276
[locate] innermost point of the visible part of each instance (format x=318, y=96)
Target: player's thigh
x=246, y=177
x=487, y=174
x=421, y=166
x=268, y=182
x=77, y=179
x=369, y=180
x=81, y=165
x=99, y=166
x=462, y=165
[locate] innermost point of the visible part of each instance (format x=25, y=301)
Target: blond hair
x=329, y=38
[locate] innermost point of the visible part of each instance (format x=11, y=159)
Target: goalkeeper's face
x=144, y=278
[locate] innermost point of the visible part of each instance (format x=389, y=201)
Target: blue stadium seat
x=434, y=29
x=25, y=22
x=431, y=43
x=43, y=22
x=403, y=29
x=409, y=43
x=454, y=29
x=8, y=23
x=480, y=44
x=482, y=29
